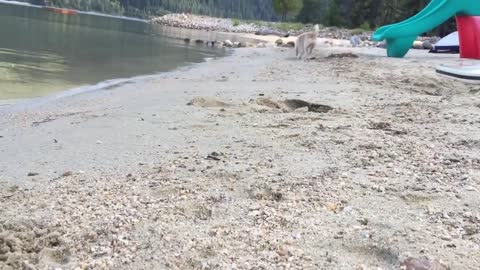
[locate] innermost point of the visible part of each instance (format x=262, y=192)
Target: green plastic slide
x=400, y=36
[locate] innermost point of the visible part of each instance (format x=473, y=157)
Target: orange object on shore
x=62, y=11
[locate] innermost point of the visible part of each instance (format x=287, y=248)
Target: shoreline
x=11, y=105
x=209, y=167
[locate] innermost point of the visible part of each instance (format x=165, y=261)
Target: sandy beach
x=208, y=167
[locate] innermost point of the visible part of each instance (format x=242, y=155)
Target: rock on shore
x=357, y=37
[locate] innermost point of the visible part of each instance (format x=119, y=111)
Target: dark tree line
x=367, y=14
x=241, y=9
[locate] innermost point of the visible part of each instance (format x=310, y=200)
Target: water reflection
x=41, y=52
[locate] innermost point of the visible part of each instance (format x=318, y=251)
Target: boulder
x=355, y=41
x=417, y=45
x=427, y=45
x=228, y=43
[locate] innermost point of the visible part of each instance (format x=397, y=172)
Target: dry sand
x=134, y=178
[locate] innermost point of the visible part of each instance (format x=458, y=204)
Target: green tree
x=313, y=11
x=334, y=15
x=287, y=7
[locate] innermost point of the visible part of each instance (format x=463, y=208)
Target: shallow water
x=43, y=52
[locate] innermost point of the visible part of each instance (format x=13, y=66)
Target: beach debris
x=30, y=174
x=55, y=141
x=422, y=264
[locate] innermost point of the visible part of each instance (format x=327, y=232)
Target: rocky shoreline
x=357, y=37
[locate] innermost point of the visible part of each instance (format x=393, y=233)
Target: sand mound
x=289, y=105
x=206, y=102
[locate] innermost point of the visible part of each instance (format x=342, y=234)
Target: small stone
x=30, y=174
x=228, y=43
x=364, y=221
x=66, y=174
x=290, y=44
x=417, y=45
x=355, y=41
x=427, y=45
x=282, y=252
x=98, y=142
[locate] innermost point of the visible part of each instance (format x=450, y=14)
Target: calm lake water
x=43, y=52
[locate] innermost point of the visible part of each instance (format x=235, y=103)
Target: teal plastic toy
x=400, y=36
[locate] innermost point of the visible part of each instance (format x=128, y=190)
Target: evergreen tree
x=287, y=7
x=313, y=11
x=334, y=16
